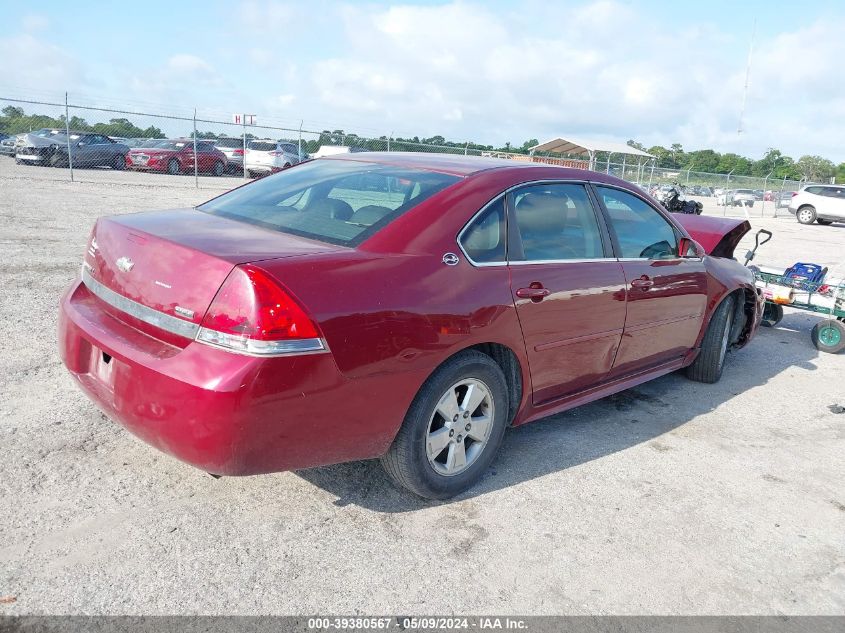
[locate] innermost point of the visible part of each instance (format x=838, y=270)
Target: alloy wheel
x=459, y=427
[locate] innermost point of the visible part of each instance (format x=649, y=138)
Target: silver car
x=266, y=156
x=234, y=149
x=824, y=204
x=87, y=149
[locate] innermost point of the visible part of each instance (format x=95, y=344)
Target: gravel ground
x=671, y=498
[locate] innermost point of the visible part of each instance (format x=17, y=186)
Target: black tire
x=173, y=167
x=708, y=365
x=286, y=166
x=119, y=162
x=772, y=314
x=407, y=461
x=806, y=214
x=219, y=168
x=56, y=160
x=829, y=336
x=824, y=222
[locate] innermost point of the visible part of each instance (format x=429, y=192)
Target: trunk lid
x=175, y=261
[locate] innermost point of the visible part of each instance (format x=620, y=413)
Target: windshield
x=340, y=202
x=174, y=145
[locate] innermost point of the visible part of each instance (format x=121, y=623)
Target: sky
x=487, y=72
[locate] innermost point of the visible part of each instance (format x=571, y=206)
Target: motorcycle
x=674, y=202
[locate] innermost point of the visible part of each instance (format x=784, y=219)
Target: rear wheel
x=708, y=366
x=119, y=162
x=453, y=428
x=772, y=314
x=824, y=222
x=56, y=160
x=173, y=166
x=219, y=168
x=829, y=336
x=806, y=215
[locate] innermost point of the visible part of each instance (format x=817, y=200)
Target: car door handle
x=535, y=292
x=643, y=283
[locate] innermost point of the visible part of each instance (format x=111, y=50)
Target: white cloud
x=35, y=22
x=190, y=64
x=38, y=62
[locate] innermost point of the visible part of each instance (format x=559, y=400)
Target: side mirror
x=690, y=248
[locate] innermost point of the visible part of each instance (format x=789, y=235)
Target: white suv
x=824, y=204
x=265, y=156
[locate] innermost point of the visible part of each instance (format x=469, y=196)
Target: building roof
x=570, y=145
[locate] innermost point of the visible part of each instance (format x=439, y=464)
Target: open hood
x=718, y=236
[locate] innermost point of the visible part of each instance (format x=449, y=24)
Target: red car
x=177, y=157
x=402, y=306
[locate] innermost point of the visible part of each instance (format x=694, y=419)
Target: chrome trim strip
x=594, y=260
x=141, y=312
x=261, y=349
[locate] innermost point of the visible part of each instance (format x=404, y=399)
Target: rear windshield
x=262, y=146
x=229, y=142
x=336, y=201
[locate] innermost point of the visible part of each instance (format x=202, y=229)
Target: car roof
x=453, y=164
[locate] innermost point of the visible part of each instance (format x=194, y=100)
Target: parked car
x=783, y=198
x=176, y=156
x=758, y=194
x=366, y=306
x=824, y=204
x=7, y=145
x=742, y=197
x=233, y=148
x=704, y=191
x=332, y=150
x=87, y=149
x=266, y=156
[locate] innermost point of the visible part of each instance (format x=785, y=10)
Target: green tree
x=815, y=168
x=840, y=173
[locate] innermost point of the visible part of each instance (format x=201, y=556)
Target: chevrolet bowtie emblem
x=125, y=264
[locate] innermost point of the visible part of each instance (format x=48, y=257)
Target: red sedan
x=177, y=157
x=403, y=306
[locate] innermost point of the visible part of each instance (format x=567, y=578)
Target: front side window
x=641, y=231
x=555, y=222
x=483, y=241
x=338, y=201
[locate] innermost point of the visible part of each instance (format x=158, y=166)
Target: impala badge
x=125, y=264
x=450, y=259
x=184, y=312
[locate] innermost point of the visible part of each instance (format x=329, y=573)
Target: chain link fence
x=82, y=142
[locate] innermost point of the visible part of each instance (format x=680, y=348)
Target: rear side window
x=555, y=222
x=483, y=240
x=641, y=231
x=336, y=201
x=814, y=190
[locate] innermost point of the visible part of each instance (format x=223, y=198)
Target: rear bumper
x=225, y=413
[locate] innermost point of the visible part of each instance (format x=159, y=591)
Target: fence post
x=243, y=121
x=651, y=177
x=196, y=158
x=390, y=136
x=466, y=148
x=765, y=184
x=301, y=123
x=624, y=156
x=727, y=186
x=782, y=187
x=67, y=135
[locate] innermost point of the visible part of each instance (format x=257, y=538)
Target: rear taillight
x=251, y=313
x=239, y=152
x=794, y=193
x=276, y=153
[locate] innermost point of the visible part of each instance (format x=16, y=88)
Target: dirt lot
x=671, y=498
